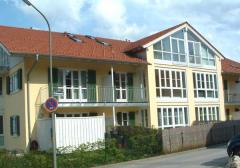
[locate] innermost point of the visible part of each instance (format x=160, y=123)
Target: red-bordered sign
x=51, y=104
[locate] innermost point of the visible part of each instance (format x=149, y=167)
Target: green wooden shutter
x=19, y=76
x=91, y=86
x=1, y=91
x=119, y=118
x=196, y=113
x=130, y=86
x=8, y=85
x=131, y=118
x=54, y=78
x=18, y=125
x=11, y=125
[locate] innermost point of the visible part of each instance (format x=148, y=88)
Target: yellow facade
x=190, y=102
x=17, y=103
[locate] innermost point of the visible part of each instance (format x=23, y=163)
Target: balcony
x=231, y=98
x=96, y=96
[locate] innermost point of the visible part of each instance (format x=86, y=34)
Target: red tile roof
x=139, y=43
x=29, y=41
x=230, y=66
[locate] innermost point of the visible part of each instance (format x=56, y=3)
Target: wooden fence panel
x=179, y=139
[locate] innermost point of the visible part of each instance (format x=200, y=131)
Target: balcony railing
x=231, y=97
x=98, y=94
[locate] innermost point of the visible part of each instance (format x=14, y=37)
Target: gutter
x=28, y=99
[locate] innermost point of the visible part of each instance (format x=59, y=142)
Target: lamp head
x=27, y=2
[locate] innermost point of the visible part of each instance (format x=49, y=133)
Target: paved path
x=198, y=158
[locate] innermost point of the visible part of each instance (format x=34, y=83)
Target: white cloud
x=61, y=14
x=111, y=16
x=132, y=19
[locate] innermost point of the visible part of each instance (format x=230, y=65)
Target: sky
x=217, y=20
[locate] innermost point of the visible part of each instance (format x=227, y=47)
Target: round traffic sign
x=51, y=104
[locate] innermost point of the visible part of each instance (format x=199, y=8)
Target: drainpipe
x=113, y=95
x=28, y=99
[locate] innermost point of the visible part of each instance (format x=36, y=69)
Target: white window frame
x=205, y=89
x=80, y=88
x=122, y=124
x=194, y=55
x=120, y=88
x=211, y=113
x=208, y=58
x=171, y=52
x=14, y=126
x=171, y=87
x=144, y=117
x=13, y=82
x=173, y=125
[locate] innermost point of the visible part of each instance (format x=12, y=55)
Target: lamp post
x=51, y=79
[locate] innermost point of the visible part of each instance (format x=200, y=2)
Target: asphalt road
x=198, y=158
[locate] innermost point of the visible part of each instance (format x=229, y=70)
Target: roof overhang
x=85, y=59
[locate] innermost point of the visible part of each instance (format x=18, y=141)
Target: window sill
x=202, y=66
x=215, y=100
x=14, y=92
x=170, y=62
x=15, y=136
x=159, y=100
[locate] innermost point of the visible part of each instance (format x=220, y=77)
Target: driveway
x=205, y=157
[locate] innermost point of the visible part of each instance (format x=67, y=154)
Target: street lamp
x=50, y=44
x=51, y=78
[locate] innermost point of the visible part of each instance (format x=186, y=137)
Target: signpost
x=51, y=105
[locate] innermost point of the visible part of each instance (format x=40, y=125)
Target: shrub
x=139, y=141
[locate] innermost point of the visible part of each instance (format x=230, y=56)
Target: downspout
x=28, y=99
x=113, y=96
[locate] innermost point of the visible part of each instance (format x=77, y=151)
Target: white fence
x=71, y=132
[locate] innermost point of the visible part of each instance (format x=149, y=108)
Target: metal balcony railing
x=231, y=97
x=96, y=94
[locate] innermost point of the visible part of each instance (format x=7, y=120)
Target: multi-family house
x=169, y=79
x=184, y=77
x=231, y=86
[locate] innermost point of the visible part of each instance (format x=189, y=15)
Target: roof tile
x=230, y=66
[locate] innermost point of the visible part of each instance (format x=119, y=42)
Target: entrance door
x=121, y=87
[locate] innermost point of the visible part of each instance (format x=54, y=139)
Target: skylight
x=90, y=37
x=73, y=37
x=103, y=43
